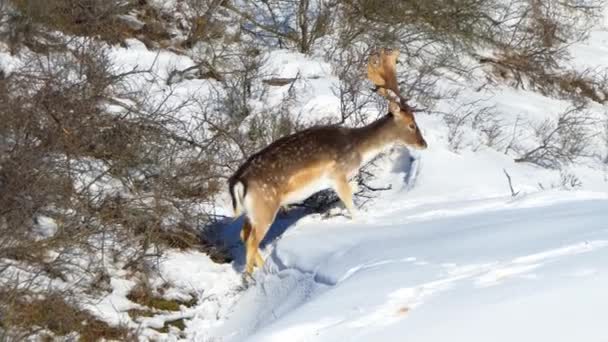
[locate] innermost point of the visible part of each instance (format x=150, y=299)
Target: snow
x=436, y=277
x=194, y=271
x=314, y=84
x=45, y=227
x=288, y=64
x=446, y=254
x=113, y=307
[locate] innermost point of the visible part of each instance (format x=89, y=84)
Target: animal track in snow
x=522, y=266
x=402, y=302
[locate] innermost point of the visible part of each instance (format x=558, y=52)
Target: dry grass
x=178, y=323
x=154, y=303
x=144, y=295
x=523, y=71
x=54, y=314
x=108, y=20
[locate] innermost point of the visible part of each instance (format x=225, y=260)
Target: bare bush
x=93, y=170
x=35, y=23
x=473, y=124
x=560, y=141
x=576, y=86
x=203, y=22
x=567, y=181
x=51, y=316
x=525, y=40
x=433, y=36
x=285, y=23
x=534, y=40
x=236, y=114
x=404, y=22
x=353, y=90
x=606, y=140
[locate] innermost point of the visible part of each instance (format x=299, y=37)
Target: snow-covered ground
x=524, y=271
x=447, y=254
x=530, y=268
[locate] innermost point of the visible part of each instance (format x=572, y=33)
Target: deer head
x=381, y=70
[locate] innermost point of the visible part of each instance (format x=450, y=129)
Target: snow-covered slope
x=529, y=269
x=447, y=254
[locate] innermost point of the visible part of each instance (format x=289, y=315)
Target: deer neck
x=372, y=139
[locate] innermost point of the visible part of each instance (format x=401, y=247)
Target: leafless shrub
x=419, y=20
x=576, y=86
x=51, y=316
x=433, y=36
x=567, y=181
x=534, y=39
x=606, y=140
x=203, y=22
x=4, y=14
x=473, y=124
x=93, y=170
x=30, y=20
x=513, y=192
x=527, y=39
x=285, y=23
x=239, y=127
x=357, y=100
x=560, y=141
x=35, y=23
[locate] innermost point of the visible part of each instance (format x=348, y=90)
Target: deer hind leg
x=251, y=252
x=255, y=234
x=253, y=256
x=246, y=230
x=345, y=193
x=246, y=233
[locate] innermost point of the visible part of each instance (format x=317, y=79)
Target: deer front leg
x=345, y=193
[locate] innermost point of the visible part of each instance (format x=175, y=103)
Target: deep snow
x=446, y=254
x=523, y=270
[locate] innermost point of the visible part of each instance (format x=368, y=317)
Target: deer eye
x=412, y=126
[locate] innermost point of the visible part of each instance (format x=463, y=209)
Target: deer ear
x=394, y=108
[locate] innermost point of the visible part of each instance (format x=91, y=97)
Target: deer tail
x=238, y=190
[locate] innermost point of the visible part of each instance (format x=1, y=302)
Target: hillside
x=122, y=121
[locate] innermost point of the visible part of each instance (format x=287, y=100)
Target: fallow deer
x=296, y=166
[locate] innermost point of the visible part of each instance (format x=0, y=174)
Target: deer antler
x=381, y=71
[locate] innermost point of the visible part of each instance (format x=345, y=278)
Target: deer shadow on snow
x=407, y=163
x=226, y=233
